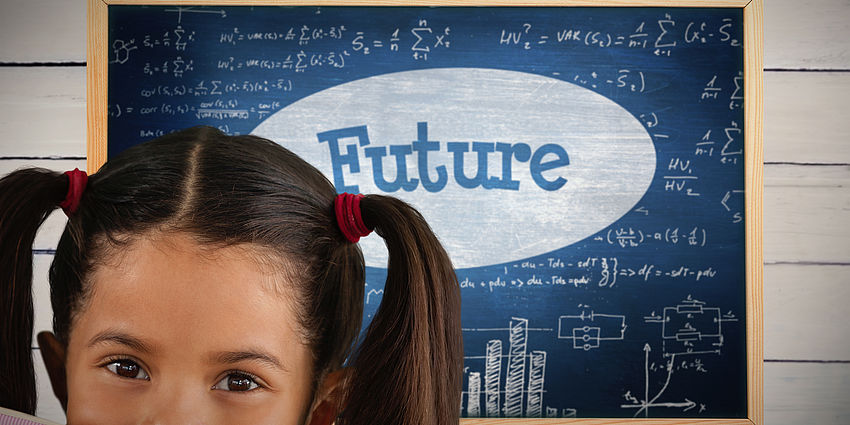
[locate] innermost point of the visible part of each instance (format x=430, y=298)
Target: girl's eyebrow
x=230, y=357
x=117, y=337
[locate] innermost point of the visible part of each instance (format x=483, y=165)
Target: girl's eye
x=237, y=381
x=128, y=369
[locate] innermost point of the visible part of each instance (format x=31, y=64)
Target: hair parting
x=405, y=369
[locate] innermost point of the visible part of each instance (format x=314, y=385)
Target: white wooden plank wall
x=806, y=194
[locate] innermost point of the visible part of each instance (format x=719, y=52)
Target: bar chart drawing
x=516, y=367
x=588, y=329
x=513, y=380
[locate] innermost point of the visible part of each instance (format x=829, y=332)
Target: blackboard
x=588, y=169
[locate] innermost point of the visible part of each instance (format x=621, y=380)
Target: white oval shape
x=611, y=156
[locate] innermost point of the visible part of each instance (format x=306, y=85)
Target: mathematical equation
x=216, y=88
x=603, y=272
x=297, y=62
x=661, y=36
x=420, y=42
x=217, y=109
x=633, y=238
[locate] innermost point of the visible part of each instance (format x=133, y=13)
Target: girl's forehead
x=159, y=255
x=175, y=292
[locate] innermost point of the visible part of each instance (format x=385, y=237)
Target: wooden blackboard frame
x=96, y=150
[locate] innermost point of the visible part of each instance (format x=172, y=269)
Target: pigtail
x=407, y=370
x=26, y=199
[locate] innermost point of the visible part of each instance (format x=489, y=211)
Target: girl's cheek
x=271, y=415
x=92, y=399
x=88, y=404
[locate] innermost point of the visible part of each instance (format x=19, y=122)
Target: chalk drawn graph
x=521, y=392
x=643, y=405
x=689, y=328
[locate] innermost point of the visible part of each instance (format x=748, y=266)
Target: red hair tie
x=348, y=218
x=76, y=185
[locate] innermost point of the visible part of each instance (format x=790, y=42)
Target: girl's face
x=176, y=334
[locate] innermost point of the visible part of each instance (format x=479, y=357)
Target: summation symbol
x=427, y=40
x=663, y=45
x=736, y=99
x=734, y=144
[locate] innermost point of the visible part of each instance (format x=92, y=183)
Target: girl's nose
x=177, y=407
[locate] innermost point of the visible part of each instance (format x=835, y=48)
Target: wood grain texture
x=42, y=31
x=805, y=117
x=807, y=394
x=42, y=111
x=97, y=66
x=807, y=209
x=754, y=188
x=807, y=34
x=806, y=312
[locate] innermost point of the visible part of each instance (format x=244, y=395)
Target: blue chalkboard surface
x=583, y=166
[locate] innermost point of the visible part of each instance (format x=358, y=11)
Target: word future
x=420, y=148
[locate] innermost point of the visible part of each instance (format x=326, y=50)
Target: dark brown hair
x=224, y=190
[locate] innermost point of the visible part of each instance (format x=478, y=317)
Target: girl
x=206, y=278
